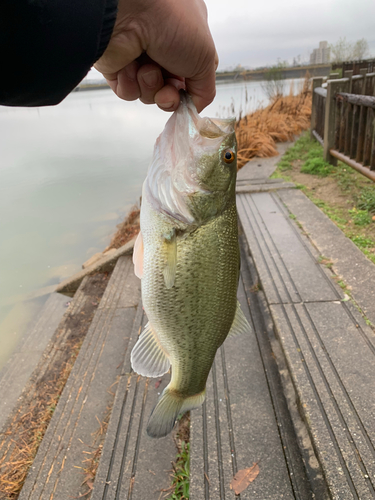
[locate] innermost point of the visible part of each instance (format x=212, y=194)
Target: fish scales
x=192, y=321
x=187, y=255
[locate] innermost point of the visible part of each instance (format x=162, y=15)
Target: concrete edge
x=70, y=285
x=349, y=262
x=261, y=188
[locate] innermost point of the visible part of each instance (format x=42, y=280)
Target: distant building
x=320, y=55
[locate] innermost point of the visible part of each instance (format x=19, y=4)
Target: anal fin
x=240, y=324
x=148, y=358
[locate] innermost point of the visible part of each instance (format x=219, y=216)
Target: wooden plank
x=342, y=111
x=372, y=159
x=357, y=166
x=322, y=110
x=349, y=74
x=317, y=137
x=360, y=100
x=334, y=87
x=348, y=128
x=368, y=137
x=320, y=91
x=357, y=84
x=354, y=132
x=361, y=134
x=338, y=126
x=316, y=82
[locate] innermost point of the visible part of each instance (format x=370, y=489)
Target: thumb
x=202, y=87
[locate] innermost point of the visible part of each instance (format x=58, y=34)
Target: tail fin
x=167, y=409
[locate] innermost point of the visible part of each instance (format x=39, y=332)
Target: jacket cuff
x=109, y=19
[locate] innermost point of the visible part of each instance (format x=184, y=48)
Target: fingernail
x=166, y=105
x=150, y=78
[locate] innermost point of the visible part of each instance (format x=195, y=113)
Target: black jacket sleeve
x=48, y=46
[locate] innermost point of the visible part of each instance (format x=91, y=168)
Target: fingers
x=168, y=98
x=147, y=84
x=127, y=83
x=150, y=81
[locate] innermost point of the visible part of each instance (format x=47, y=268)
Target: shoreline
x=240, y=75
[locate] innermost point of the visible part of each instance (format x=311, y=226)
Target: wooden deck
x=294, y=396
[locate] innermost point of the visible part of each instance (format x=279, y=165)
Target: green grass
x=365, y=244
x=304, y=149
x=359, y=191
x=317, y=166
x=333, y=213
x=181, y=481
x=366, y=200
x=360, y=217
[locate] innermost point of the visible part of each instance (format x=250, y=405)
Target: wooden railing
x=318, y=109
x=342, y=120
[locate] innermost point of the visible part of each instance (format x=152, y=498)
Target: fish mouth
x=174, y=173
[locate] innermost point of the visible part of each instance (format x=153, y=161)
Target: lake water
x=68, y=175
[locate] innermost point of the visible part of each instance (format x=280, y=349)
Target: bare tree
x=273, y=84
x=343, y=50
x=360, y=49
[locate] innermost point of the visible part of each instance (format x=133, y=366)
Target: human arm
x=48, y=46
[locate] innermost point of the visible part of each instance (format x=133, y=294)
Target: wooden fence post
x=316, y=82
x=369, y=84
x=349, y=74
x=333, y=76
x=333, y=87
x=363, y=71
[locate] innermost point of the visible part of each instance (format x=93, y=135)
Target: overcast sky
x=257, y=32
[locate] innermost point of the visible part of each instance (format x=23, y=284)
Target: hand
x=158, y=47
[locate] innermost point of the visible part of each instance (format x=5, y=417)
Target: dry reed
x=258, y=132
x=126, y=230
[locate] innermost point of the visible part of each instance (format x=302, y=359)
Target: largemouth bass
x=187, y=256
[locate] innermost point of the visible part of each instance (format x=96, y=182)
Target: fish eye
x=229, y=156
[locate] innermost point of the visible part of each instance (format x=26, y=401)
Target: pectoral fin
x=169, y=272
x=148, y=358
x=240, y=324
x=138, y=256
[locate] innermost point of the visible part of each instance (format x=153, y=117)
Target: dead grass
x=126, y=230
x=258, y=132
x=91, y=463
x=24, y=433
x=28, y=429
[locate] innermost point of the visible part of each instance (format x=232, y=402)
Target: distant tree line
x=343, y=50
